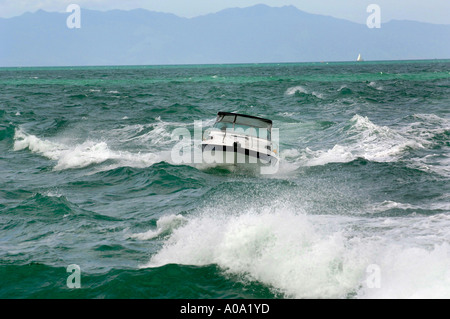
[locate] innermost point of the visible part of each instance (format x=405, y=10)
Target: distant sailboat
x=359, y=59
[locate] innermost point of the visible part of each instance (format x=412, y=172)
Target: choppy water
x=87, y=179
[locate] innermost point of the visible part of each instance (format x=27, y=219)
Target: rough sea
x=358, y=208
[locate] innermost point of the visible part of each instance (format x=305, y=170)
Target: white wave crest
x=164, y=225
x=375, y=86
x=294, y=89
x=364, y=140
x=281, y=249
x=313, y=256
x=412, y=273
x=301, y=89
x=70, y=156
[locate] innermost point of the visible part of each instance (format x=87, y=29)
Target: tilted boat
x=238, y=139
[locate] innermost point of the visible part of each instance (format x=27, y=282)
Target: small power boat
x=239, y=139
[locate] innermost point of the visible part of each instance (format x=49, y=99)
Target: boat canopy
x=243, y=119
x=247, y=124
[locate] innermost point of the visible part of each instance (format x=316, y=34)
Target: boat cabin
x=244, y=125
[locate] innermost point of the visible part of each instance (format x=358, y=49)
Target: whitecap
x=375, y=86
x=313, y=256
x=363, y=139
x=301, y=89
x=280, y=248
x=78, y=155
x=295, y=89
x=164, y=226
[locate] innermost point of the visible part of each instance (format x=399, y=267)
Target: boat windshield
x=244, y=125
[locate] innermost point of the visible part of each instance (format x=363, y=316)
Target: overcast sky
x=433, y=11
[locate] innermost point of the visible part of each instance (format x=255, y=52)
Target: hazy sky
x=433, y=11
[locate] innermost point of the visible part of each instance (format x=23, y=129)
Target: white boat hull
x=235, y=155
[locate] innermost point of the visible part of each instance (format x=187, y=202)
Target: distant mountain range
x=255, y=34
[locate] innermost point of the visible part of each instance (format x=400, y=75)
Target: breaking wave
x=79, y=155
x=298, y=90
x=364, y=139
x=164, y=226
x=309, y=256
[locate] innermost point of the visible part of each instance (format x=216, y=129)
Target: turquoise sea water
x=362, y=189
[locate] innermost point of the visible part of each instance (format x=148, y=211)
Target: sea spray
x=278, y=247
x=73, y=155
x=364, y=139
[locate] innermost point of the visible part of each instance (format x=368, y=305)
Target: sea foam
x=164, y=226
x=314, y=256
x=364, y=139
x=78, y=155
x=280, y=248
x=300, y=89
